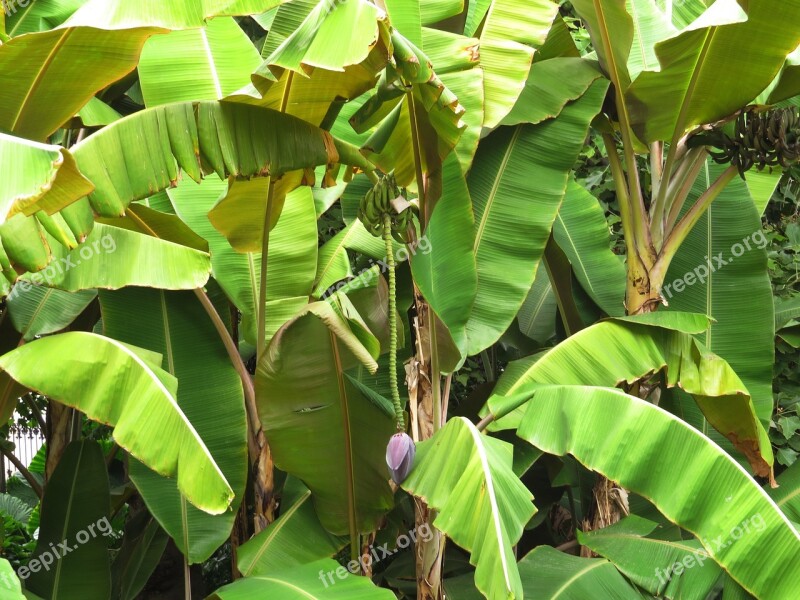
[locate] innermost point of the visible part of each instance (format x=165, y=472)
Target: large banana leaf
x=121, y=386
x=319, y=580
x=581, y=231
x=739, y=525
x=143, y=545
x=49, y=76
x=649, y=561
x=74, y=514
x=650, y=26
x=37, y=177
x=41, y=310
x=611, y=29
x=306, y=401
x=787, y=496
x=310, y=69
x=512, y=30
x=730, y=292
x=610, y=353
x=210, y=395
x=537, y=315
x=517, y=183
x=546, y=92
x=447, y=275
x=179, y=14
x=714, y=67
x=295, y=538
x=141, y=154
x=548, y=574
x=112, y=257
x=40, y=15
x=458, y=66
x=197, y=64
x=292, y=255
x=482, y=505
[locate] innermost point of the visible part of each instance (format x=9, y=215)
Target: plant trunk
x=264, y=486
x=422, y=403
x=611, y=500
x=59, y=429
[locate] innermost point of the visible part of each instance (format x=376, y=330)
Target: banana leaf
x=482, y=505
x=738, y=524
x=320, y=580
x=305, y=400
x=611, y=353
x=517, y=184
x=197, y=64
x=74, y=517
x=137, y=156
x=126, y=385
x=293, y=539
x=175, y=325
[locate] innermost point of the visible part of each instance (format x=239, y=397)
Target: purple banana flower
x=400, y=456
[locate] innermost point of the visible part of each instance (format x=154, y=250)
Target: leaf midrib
x=40, y=76
x=495, y=186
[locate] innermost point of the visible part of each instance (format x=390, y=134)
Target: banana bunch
x=758, y=139
x=377, y=202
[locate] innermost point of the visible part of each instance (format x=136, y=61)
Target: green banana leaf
x=548, y=574
x=176, y=326
x=49, y=76
x=610, y=353
x=74, y=517
x=730, y=54
x=482, y=505
x=305, y=400
x=197, y=64
x=11, y=583
x=128, y=388
x=320, y=580
x=517, y=184
x=112, y=258
x=180, y=14
x=787, y=495
x=143, y=545
x=310, y=69
x=513, y=28
x=546, y=90
x=166, y=225
x=40, y=16
x=41, y=310
x=39, y=177
x=537, y=315
x=240, y=213
x=788, y=82
x=137, y=156
x=650, y=26
x=651, y=562
x=581, y=231
x=293, y=539
x=739, y=525
x=405, y=16
x=291, y=265
x=458, y=66
x=447, y=276
x=729, y=292
x=611, y=30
